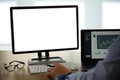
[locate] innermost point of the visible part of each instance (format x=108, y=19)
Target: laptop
x=94, y=45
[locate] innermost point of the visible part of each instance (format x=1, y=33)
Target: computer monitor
x=95, y=43
x=44, y=29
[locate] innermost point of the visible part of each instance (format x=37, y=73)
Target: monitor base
x=45, y=61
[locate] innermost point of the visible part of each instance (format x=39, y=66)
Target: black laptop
x=94, y=45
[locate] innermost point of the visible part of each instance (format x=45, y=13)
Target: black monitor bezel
x=88, y=61
x=42, y=7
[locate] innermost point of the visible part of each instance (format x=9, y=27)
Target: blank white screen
x=44, y=29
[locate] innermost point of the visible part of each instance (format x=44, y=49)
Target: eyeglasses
x=13, y=65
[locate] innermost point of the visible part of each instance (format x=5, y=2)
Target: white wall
x=93, y=13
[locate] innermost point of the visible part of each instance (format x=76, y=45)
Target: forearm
x=70, y=76
x=96, y=73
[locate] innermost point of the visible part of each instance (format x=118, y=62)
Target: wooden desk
x=23, y=74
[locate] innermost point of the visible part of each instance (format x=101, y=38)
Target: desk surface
x=23, y=74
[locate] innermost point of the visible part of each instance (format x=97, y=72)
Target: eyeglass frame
x=10, y=64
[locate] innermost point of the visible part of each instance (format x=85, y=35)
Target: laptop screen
x=95, y=43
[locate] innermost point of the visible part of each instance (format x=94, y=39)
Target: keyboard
x=43, y=68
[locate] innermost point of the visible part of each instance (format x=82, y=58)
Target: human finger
x=60, y=67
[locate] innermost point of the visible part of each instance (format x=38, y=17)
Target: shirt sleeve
x=107, y=69
x=96, y=73
x=69, y=76
x=114, y=51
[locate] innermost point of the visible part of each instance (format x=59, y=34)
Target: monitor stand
x=45, y=60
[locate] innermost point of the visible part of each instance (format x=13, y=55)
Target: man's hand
x=57, y=69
